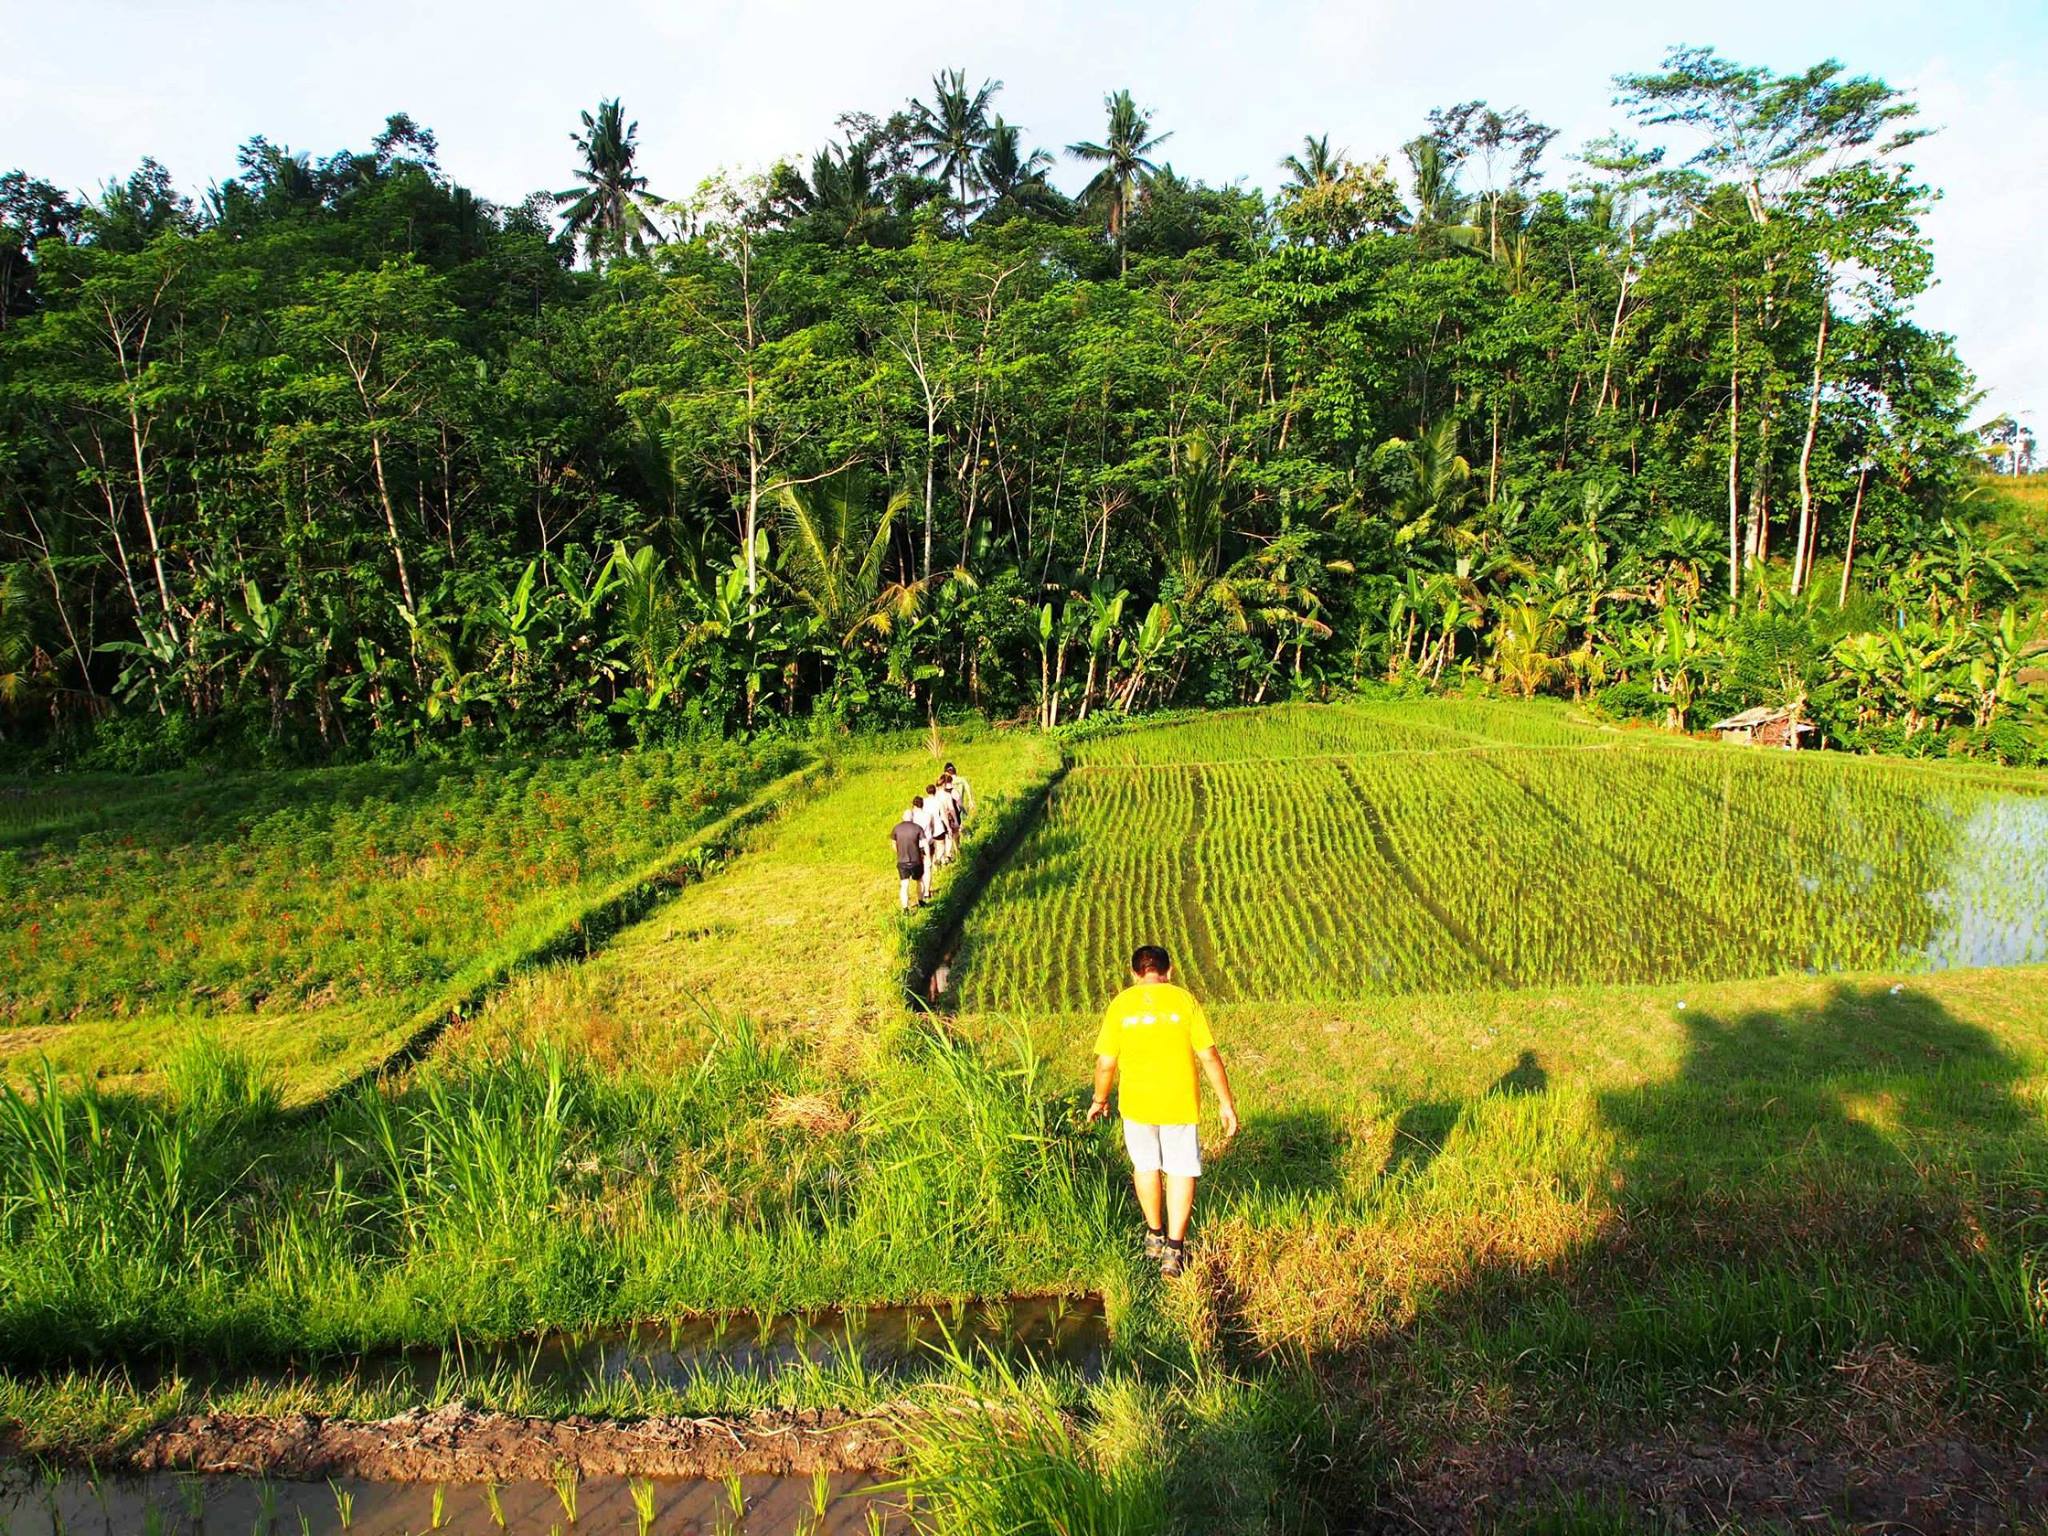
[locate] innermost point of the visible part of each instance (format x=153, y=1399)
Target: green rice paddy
x=1357, y=851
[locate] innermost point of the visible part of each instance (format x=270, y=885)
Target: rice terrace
x=931, y=819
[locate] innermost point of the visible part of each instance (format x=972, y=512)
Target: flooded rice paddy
x=186, y=1504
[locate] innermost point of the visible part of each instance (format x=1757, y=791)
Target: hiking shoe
x=1155, y=1246
x=1172, y=1261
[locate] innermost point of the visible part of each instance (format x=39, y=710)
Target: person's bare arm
x=1105, y=1079
x=1219, y=1081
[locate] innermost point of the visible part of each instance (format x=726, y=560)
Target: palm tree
x=1440, y=206
x=612, y=209
x=1011, y=176
x=1190, y=524
x=953, y=131
x=1125, y=160
x=1278, y=588
x=1525, y=640
x=22, y=664
x=846, y=190
x=1436, y=482
x=836, y=541
x=1315, y=166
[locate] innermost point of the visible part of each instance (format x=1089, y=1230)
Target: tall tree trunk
x=931, y=450
x=78, y=653
x=1279, y=646
x=391, y=518
x=752, y=520
x=749, y=345
x=1802, y=563
x=1849, y=555
x=1735, y=455
x=156, y=552
x=1759, y=488
x=1493, y=461
x=1614, y=330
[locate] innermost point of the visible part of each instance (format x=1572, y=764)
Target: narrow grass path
x=801, y=934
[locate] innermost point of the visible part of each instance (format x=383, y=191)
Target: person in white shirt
x=961, y=792
x=933, y=820
x=949, y=802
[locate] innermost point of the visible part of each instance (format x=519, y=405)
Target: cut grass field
x=1483, y=1257
x=799, y=936
x=319, y=920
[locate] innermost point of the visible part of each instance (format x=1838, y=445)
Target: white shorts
x=1175, y=1149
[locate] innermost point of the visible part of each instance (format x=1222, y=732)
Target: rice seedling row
x=1465, y=843
x=1068, y=898
x=1285, y=731
x=1484, y=720
x=1307, y=899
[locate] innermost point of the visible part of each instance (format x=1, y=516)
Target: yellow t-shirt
x=1153, y=1031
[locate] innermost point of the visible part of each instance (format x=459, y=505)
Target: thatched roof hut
x=1763, y=727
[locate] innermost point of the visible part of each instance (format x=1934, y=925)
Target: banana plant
x=1143, y=651
x=1994, y=670
x=1105, y=618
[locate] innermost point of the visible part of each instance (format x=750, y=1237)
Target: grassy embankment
x=1455, y=1218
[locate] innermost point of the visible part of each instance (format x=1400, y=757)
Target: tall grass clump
x=474, y=1157
x=1013, y=1463
x=113, y=1217
x=214, y=1085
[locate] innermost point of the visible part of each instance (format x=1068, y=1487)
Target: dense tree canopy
x=344, y=458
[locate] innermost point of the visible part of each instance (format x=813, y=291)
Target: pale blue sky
x=87, y=87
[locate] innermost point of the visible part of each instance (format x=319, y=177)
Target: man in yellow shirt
x=1153, y=1036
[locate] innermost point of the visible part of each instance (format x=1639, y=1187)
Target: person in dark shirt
x=913, y=848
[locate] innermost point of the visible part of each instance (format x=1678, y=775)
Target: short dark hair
x=931, y=789
x=1150, y=960
x=916, y=802
x=949, y=767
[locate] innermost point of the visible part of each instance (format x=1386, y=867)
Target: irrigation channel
x=1071, y=1331
x=435, y=1471
x=181, y=1504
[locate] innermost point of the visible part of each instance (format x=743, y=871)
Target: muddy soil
x=458, y=1444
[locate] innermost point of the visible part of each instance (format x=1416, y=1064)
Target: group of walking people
x=928, y=835
x=1153, y=1050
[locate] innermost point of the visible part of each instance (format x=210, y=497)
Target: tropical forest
x=340, y=459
